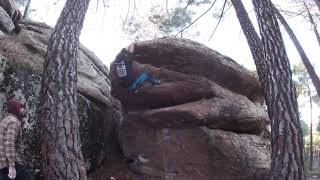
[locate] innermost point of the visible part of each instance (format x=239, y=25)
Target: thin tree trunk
x=62, y=157
x=287, y=139
x=311, y=135
x=26, y=10
x=312, y=73
x=253, y=40
x=313, y=24
x=318, y=4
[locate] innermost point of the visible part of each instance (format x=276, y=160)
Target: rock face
x=201, y=122
x=21, y=58
x=193, y=153
x=6, y=24
x=12, y=9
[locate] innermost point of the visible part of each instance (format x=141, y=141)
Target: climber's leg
x=138, y=82
x=152, y=81
x=141, y=79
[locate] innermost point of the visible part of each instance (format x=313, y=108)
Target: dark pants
x=23, y=173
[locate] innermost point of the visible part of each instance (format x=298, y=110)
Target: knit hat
x=14, y=107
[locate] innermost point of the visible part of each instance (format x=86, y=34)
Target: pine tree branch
x=313, y=23
x=188, y=4
x=197, y=18
x=26, y=10
x=220, y=18
x=167, y=9
x=312, y=73
x=134, y=10
x=125, y=21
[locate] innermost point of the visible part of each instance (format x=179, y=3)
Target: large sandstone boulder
x=187, y=154
x=199, y=87
x=201, y=122
x=224, y=110
x=195, y=59
x=21, y=58
x=194, y=153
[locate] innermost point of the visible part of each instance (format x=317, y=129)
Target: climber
x=123, y=65
x=12, y=164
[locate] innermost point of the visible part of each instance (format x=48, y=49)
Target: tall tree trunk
x=61, y=149
x=253, y=40
x=318, y=4
x=311, y=124
x=313, y=24
x=287, y=139
x=26, y=10
x=312, y=73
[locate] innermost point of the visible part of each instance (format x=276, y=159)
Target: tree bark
x=313, y=24
x=318, y=4
x=287, y=138
x=61, y=149
x=311, y=124
x=26, y=10
x=253, y=40
x=312, y=73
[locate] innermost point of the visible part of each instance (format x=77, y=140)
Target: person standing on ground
x=12, y=164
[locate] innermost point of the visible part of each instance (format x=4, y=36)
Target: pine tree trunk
x=311, y=124
x=313, y=24
x=287, y=139
x=253, y=40
x=312, y=73
x=26, y=10
x=318, y=4
x=62, y=157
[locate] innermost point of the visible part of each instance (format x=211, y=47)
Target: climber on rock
x=124, y=71
x=12, y=163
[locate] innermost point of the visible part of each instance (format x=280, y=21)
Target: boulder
x=227, y=114
x=201, y=122
x=194, y=153
x=195, y=59
x=6, y=24
x=21, y=58
x=29, y=47
x=12, y=9
x=192, y=96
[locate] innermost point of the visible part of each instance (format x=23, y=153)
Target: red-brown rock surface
x=193, y=153
x=188, y=127
x=199, y=87
x=188, y=154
